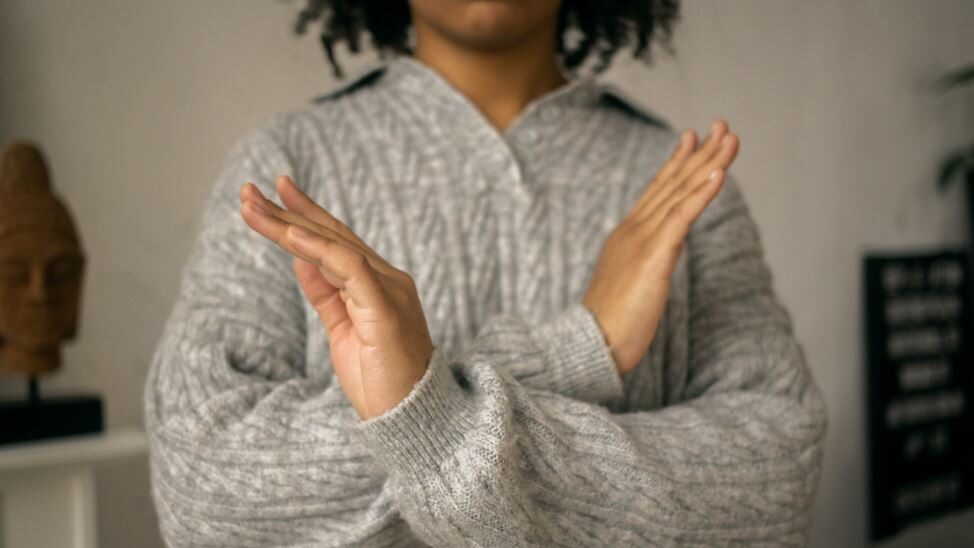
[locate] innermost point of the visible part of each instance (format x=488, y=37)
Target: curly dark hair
x=605, y=27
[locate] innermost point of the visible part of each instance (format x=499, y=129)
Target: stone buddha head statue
x=41, y=265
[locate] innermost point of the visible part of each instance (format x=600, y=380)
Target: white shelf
x=47, y=487
x=82, y=449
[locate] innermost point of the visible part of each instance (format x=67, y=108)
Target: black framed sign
x=920, y=395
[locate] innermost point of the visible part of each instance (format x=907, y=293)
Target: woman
x=473, y=319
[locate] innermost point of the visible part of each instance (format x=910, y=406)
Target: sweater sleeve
x=566, y=354
x=479, y=459
x=248, y=443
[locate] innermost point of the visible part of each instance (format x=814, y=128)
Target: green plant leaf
x=958, y=77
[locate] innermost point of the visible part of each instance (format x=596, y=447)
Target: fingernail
x=714, y=174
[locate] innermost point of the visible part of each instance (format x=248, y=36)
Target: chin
x=486, y=24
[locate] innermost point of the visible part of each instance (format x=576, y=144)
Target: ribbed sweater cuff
x=583, y=364
x=427, y=426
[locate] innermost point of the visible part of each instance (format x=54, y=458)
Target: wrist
x=583, y=367
x=395, y=386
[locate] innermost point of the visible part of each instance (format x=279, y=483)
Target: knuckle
x=322, y=246
x=361, y=264
x=673, y=249
x=682, y=179
x=622, y=232
x=706, y=169
x=664, y=248
x=678, y=213
x=405, y=281
x=677, y=162
x=285, y=238
x=408, y=281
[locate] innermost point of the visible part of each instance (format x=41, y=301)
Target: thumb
x=323, y=296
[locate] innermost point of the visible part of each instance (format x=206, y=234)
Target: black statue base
x=50, y=417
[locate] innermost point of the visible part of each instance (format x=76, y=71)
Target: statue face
x=40, y=288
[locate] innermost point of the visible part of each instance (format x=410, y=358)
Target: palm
x=343, y=341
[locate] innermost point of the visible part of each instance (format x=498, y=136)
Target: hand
x=377, y=331
x=628, y=289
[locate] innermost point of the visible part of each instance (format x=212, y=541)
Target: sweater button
x=529, y=136
x=549, y=113
x=497, y=161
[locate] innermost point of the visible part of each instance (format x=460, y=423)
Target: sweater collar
x=404, y=70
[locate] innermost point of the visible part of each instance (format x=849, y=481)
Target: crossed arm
x=250, y=447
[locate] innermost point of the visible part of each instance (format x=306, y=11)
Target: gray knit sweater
x=521, y=432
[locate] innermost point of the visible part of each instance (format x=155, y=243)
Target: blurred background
x=136, y=104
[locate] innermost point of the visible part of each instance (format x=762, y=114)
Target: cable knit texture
x=521, y=432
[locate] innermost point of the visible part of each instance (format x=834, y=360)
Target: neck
x=500, y=82
x=29, y=361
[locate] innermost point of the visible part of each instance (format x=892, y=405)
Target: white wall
x=136, y=104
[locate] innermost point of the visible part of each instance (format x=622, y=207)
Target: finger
x=358, y=278
x=685, y=146
x=250, y=191
x=675, y=223
x=675, y=176
x=324, y=298
x=678, y=176
x=688, y=143
x=296, y=200
x=706, y=151
x=336, y=321
x=721, y=160
x=275, y=230
x=331, y=309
